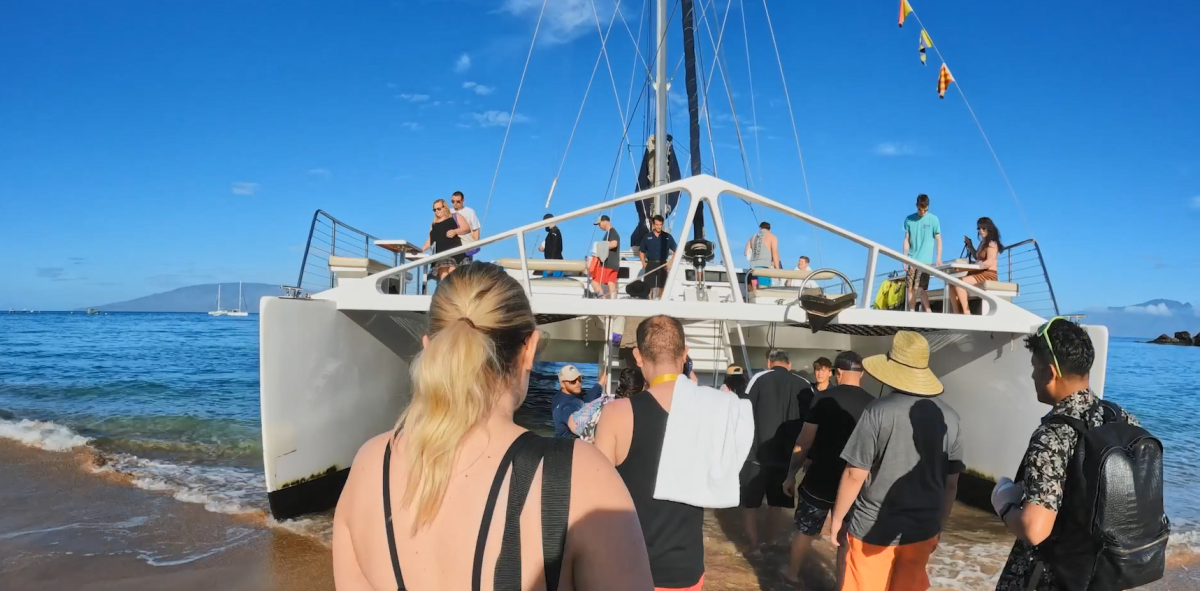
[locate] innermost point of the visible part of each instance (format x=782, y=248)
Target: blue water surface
x=184, y=388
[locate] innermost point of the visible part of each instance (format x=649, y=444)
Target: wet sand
x=64, y=526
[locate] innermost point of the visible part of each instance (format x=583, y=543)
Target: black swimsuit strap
x=505, y=462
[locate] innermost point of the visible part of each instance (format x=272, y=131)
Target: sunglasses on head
x=1044, y=332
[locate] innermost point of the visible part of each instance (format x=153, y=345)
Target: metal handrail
x=1041, y=261
x=326, y=231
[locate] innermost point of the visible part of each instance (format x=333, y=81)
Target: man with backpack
x=1087, y=505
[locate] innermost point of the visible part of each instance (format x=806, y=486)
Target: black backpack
x=1111, y=531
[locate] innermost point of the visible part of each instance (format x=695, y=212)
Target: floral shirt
x=588, y=417
x=1046, y=460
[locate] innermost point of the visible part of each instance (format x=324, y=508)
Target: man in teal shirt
x=922, y=231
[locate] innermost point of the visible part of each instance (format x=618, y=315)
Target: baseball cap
x=734, y=370
x=569, y=373
x=848, y=361
x=602, y=218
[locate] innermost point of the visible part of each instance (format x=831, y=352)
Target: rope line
x=513, y=113
x=795, y=134
x=582, y=104
x=958, y=87
x=753, y=108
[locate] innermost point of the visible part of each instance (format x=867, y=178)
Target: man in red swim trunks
x=607, y=262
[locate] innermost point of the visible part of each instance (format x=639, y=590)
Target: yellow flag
x=905, y=9
x=944, y=80
x=924, y=43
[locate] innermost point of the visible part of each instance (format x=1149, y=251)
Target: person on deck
x=902, y=465
x=827, y=427
x=780, y=400
x=922, y=232
x=803, y=266
x=656, y=251
x=763, y=251
x=552, y=246
x=458, y=202
x=444, y=234
x=987, y=255
x=606, y=264
x=735, y=380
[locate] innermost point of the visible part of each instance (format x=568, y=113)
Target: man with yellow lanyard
x=674, y=531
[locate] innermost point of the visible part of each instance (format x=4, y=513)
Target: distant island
x=1145, y=320
x=1180, y=338
x=196, y=298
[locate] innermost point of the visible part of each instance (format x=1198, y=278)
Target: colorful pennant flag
x=925, y=42
x=944, y=80
x=905, y=9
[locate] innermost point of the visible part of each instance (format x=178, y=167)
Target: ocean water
x=171, y=400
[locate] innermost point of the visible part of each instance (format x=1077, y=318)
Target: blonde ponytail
x=479, y=323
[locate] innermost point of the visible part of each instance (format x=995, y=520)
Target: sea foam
x=41, y=434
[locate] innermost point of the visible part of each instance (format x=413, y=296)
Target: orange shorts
x=599, y=272
x=895, y=568
x=699, y=584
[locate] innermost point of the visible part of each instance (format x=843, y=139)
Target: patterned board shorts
x=810, y=514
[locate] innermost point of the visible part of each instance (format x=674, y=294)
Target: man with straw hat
x=902, y=465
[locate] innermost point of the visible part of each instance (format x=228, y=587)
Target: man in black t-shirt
x=780, y=399
x=552, y=246
x=827, y=428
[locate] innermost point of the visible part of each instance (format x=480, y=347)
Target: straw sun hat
x=906, y=366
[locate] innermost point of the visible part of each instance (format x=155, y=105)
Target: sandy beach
x=67, y=526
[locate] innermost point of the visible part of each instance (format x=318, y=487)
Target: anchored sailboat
x=335, y=352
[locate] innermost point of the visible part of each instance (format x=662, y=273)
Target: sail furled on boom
x=645, y=180
x=689, y=64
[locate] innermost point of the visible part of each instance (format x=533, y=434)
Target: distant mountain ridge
x=197, y=298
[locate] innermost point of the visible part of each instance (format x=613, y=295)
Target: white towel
x=708, y=437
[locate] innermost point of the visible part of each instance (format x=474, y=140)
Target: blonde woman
x=427, y=507
x=444, y=234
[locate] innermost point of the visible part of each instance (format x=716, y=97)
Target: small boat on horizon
x=239, y=311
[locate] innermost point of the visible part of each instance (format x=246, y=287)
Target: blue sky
x=146, y=146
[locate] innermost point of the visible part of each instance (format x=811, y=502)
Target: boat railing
x=1021, y=264
x=702, y=188
x=329, y=237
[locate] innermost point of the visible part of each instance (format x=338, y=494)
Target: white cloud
x=392, y=85
x=894, y=149
x=462, y=64
x=411, y=125
x=478, y=88
x=413, y=98
x=497, y=118
x=320, y=172
x=1153, y=310
x=244, y=188
x=1196, y=202
x=677, y=99
x=564, y=20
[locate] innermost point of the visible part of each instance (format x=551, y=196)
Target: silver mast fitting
x=661, y=147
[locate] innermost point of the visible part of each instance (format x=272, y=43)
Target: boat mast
x=661, y=147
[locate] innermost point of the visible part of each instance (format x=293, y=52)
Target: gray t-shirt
x=909, y=445
x=613, y=261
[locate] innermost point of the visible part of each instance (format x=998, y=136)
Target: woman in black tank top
x=426, y=507
x=673, y=531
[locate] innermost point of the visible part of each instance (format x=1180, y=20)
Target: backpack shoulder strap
x=1078, y=425
x=508, y=565
x=1112, y=411
x=556, y=505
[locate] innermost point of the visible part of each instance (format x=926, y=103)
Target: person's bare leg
x=958, y=297
x=612, y=290
x=801, y=544
x=750, y=521
x=925, y=300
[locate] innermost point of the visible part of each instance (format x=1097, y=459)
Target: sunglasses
x=1044, y=332
x=574, y=381
x=456, y=201
x=438, y=208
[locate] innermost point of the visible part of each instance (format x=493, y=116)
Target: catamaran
x=335, y=351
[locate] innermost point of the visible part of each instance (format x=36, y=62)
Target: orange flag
x=944, y=80
x=905, y=9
